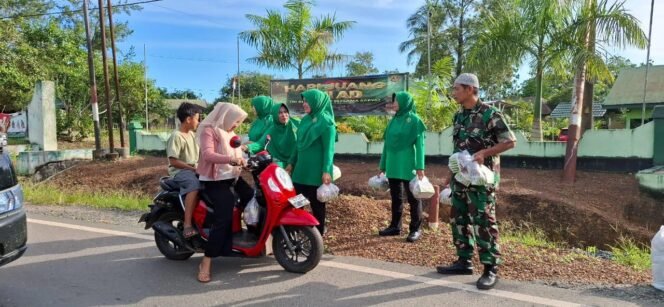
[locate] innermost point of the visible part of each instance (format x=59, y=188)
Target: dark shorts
x=187, y=181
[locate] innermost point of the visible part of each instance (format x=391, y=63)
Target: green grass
x=17, y=141
x=629, y=253
x=527, y=235
x=45, y=194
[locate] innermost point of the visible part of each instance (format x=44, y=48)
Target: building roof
x=174, y=104
x=627, y=91
x=563, y=110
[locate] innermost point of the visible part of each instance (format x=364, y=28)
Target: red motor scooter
x=297, y=245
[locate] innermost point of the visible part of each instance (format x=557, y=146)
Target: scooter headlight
x=284, y=179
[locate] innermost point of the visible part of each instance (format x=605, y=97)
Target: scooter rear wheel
x=308, y=248
x=166, y=247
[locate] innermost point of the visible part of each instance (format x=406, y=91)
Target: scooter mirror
x=236, y=142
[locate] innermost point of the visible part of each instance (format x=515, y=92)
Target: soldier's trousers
x=473, y=221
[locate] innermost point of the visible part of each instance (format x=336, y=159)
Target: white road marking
x=92, y=251
x=331, y=264
x=93, y=229
x=448, y=284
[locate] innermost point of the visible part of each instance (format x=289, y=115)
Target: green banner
x=366, y=95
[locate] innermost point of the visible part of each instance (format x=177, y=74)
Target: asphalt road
x=75, y=263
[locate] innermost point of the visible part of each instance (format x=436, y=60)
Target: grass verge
x=45, y=194
x=632, y=254
x=527, y=235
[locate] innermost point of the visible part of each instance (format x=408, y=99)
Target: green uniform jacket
x=400, y=164
x=283, y=139
x=403, y=149
x=313, y=161
x=263, y=122
x=316, y=137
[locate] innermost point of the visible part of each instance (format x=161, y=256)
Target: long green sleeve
x=419, y=152
x=258, y=145
x=328, y=138
x=381, y=166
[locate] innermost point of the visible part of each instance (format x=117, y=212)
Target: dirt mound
x=353, y=231
x=596, y=210
x=135, y=176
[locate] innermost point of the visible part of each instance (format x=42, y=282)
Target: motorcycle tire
x=308, y=244
x=166, y=247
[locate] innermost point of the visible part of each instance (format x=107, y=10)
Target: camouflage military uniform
x=473, y=215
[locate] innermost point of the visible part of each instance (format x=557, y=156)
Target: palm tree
x=452, y=25
x=295, y=40
x=606, y=25
x=614, y=26
x=525, y=29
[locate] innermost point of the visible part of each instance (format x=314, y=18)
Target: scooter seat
x=168, y=184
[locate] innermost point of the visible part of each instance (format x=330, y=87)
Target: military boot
x=460, y=267
x=489, y=279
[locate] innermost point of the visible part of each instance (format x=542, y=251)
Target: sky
x=192, y=44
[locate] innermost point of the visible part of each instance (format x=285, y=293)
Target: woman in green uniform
x=403, y=153
x=263, y=107
x=313, y=160
x=282, y=134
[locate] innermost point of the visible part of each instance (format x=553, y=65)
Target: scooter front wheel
x=304, y=251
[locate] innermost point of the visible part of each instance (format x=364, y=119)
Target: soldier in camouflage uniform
x=482, y=131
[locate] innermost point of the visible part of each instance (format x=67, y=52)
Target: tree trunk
x=588, y=93
x=299, y=70
x=587, y=121
x=536, y=133
x=574, y=130
x=459, y=64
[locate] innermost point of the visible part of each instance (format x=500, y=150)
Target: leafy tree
x=520, y=30
x=295, y=40
x=251, y=84
x=361, y=65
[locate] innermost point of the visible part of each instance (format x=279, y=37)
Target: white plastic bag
x=379, y=183
x=421, y=189
x=327, y=192
x=445, y=197
x=657, y=250
x=453, y=163
x=336, y=173
x=250, y=214
x=473, y=173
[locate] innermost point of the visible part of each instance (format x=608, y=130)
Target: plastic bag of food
x=462, y=179
x=336, y=173
x=657, y=250
x=250, y=214
x=379, y=183
x=327, y=192
x=421, y=189
x=445, y=197
x=453, y=163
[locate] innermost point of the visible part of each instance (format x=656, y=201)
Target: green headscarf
x=314, y=123
x=403, y=129
x=263, y=122
x=283, y=136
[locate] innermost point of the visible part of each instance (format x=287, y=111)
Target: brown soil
x=595, y=211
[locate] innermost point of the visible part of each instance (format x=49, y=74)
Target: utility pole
x=645, y=83
x=145, y=74
x=429, y=54
x=239, y=93
x=93, y=80
x=116, y=76
x=107, y=85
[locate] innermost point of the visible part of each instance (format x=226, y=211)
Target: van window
x=7, y=174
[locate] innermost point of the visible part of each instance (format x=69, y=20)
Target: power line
x=70, y=11
x=189, y=59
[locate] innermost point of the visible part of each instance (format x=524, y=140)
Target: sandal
x=203, y=277
x=189, y=232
